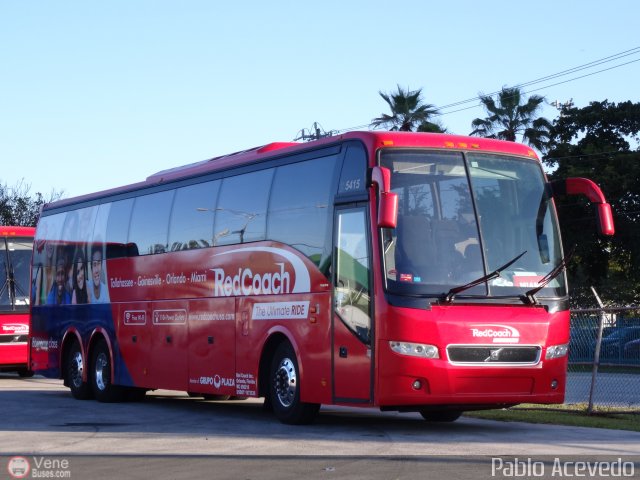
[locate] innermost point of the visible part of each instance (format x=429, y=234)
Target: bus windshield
x=15, y=258
x=463, y=215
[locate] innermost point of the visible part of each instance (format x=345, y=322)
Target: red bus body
x=314, y=298
x=15, y=259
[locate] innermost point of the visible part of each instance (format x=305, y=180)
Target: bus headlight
x=557, y=351
x=415, y=349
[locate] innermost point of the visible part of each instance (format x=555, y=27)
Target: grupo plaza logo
x=497, y=333
x=18, y=467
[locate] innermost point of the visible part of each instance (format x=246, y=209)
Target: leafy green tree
x=408, y=112
x=596, y=142
x=511, y=117
x=19, y=208
x=599, y=128
x=431, y=127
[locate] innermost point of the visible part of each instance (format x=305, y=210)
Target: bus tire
x=440, y=416
x=284, y=389
x=25, y=373
x=101, y=383
x=135, y=394
x=73, y=371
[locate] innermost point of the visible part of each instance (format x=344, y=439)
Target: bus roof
x=9, y=231
x=373, y=140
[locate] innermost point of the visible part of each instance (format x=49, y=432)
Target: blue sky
x=95, y=95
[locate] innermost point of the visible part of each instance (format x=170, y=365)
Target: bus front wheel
x=284, y=389
x=101, y=381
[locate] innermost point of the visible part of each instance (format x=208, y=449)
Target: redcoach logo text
x=15, y=328
x=269, y=275
x=246, y=282
x=497, y=333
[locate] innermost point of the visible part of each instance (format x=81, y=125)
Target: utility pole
x=562, y=107
x=316, y=132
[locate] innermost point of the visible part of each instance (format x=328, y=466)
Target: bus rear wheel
x=73, y=372
x=101, y=381
x=440, y=416
x=284, y=389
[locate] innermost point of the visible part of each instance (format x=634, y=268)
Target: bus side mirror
x=584, y=186
x=387, y=200
x=605, y=219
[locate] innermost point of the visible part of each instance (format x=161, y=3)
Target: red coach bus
x=16, y=244
x=405, y=271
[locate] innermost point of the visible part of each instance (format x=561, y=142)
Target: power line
x=550, y=85
x=601, y=61
x=542, y=88
x=594, y=63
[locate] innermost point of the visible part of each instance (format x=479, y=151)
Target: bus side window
x=193, y=215
x=354, y=170
x=118, y=229
x=242, y=208
x=150, y=222
x=352, y=296
x=300, y=208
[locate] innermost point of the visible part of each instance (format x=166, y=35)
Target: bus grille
x=13, y=339
x=493, y=354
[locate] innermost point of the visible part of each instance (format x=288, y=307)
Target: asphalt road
x=170, y=435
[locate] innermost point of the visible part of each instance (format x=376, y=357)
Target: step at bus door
x=352, y=324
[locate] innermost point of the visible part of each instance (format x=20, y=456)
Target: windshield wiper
x=530, y=295
x=449, y=296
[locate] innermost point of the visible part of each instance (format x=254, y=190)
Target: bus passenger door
x=352, y=326
x=212, y=346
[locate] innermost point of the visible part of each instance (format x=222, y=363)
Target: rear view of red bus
x=403, y=271
x=16, y=244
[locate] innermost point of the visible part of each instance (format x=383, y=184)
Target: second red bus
x=16, y=245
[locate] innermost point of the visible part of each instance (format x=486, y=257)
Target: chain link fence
x=604, y=359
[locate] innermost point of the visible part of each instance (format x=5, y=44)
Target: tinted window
x=15, y=258
x=150, y=222
x=354, y=170
x=241, y=210
x=193, y=216
x=299, y=210
x=352, y=297
x=118, y=228
x=47, y=246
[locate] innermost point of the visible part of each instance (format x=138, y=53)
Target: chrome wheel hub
x=76, y=370
x=286, y=382
x=102, y=375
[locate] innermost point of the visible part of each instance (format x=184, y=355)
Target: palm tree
x=509, y=117
x=407, y=111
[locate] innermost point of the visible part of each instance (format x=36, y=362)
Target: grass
x=571, y=415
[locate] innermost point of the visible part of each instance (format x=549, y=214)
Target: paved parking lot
x=170, y=433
